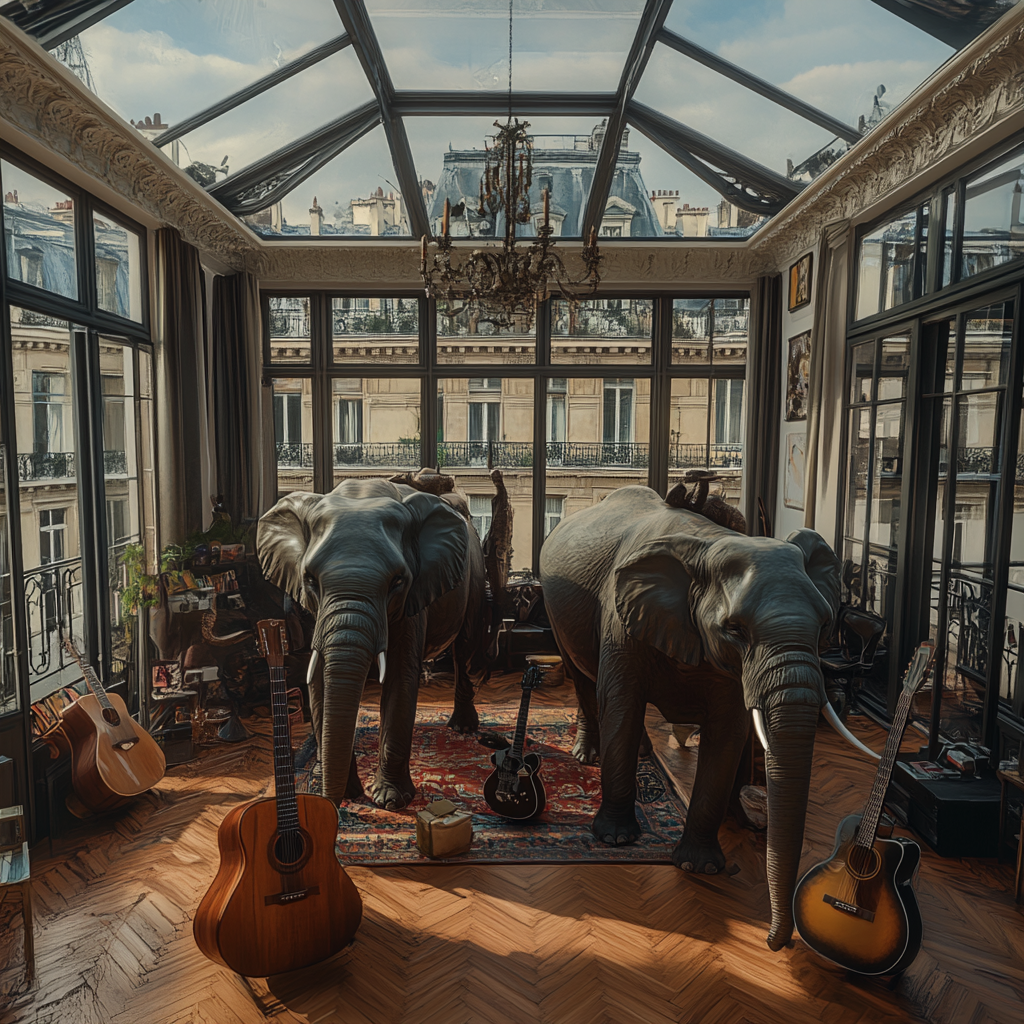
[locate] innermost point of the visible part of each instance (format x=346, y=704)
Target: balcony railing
x=115, y=463
x=53, y=599
x=62, y=465
x=516, y=455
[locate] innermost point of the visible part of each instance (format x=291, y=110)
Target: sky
x=178, y=56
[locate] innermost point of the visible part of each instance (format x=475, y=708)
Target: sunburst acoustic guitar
x=280, y=900
x=858, y=908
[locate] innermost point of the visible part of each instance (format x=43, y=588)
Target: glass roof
x=358, y=117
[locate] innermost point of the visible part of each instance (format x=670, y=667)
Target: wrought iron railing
x=46, y=465
x=516, y=455
x=53, y=601
x=289, y=323
x=390, y=318
x=115, y=463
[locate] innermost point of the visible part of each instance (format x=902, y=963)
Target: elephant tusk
x=759, y=727
x=312, y=667
x=381, y=665
x=833, y=720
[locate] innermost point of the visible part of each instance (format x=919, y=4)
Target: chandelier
x=504, y=285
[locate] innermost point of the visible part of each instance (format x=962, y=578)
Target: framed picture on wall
x=798, y=367
x=793, y=480
x=800, y=283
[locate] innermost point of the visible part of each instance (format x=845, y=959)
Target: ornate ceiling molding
x=48, y=104
x=982, y=86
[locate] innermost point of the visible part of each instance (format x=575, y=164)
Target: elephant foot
x=706, y=858
x=585, y=749
x=464, y=718
x=615, y=829
x=392, y=795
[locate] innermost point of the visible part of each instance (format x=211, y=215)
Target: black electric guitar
x=514, y=789
x=858, y=908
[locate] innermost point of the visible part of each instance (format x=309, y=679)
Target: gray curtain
x=764, y=384
x=825, y=386
x=237, y=395
x=182, y=447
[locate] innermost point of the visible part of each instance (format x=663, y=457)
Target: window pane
x=691, y=331
x=1011, y=682
x=375, y=330
x=992, y=217
x=376, y=424
x=606, y=444
x=601, y=331
x=862, y=373
x=888, y=476
x=886, y=265
x=987, y=335
x=289, y=329
x=470, y=337
x=730, y=325
x=10, y=699
x=118, y=268
x=857, y=485
x=48, y=488
x=977, y=479
x=39, y=232
x=947, y=249
x=481, y=423
x=894, y=367
x=293, y=434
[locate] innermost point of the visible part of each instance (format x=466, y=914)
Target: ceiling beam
x=651, y=22
x=495, y=104
x=744, y=182
x=269, y=180
x=758, y=85
x=364, y=39
x=957, y=27
x=261, y=85
x=52, y=23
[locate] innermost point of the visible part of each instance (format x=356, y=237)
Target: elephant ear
x=652, y=596
x=282, y=538
x=437, y=557
x=821, y=564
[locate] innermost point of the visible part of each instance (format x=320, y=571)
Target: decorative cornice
x=50, y=105
x=980, y=87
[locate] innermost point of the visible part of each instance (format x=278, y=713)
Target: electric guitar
x=112, y=757
x=858, y=908
x=280, y=900
x=514, y=789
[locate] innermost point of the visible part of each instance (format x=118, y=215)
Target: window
x=554, y=512
x=993, y=227
x=31, y=266
x=106, y=283
x=51, y=535
x=890, y=263
x=348, y=411
x=729, y=411
x=288, y=418
x=480, y=511
x=47, y=412
x=484, y=419
x=118, y=528
x=556, y=410
x=618, y=411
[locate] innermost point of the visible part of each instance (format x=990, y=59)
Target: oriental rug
x=448, y=765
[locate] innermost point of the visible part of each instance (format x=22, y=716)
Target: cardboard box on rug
x=442, y=830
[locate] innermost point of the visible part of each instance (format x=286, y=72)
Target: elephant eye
x=736, y=629
x=310, y=580
x=397, y=582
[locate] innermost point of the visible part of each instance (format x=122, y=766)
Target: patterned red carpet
x=448, y=765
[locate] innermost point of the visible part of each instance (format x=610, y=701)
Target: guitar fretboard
x=284, y=771
x=91, y=679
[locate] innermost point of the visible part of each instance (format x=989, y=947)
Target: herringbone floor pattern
x=516, y=944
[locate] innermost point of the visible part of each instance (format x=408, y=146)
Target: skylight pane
x=833, y=55
x=354, y=194
x=449, y=155
x=577, y=45
x=276, y=117
x=177, y=57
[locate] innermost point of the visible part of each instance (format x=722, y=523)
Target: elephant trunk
x=790, y=720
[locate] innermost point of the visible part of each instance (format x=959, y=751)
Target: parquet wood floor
x=519, y=944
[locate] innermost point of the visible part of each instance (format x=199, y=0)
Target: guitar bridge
x=848, y=908
x=291, y=897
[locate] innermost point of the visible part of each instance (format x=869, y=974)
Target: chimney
x=316, y=218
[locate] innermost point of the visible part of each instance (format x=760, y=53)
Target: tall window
x=554, y=513
x=729, y=411
x=47, y=412
x=288, y=418
x=555, y=417
x=52, y=529
x=348, y=411
x=480, y=512
x=618, y=411
x=485, y=409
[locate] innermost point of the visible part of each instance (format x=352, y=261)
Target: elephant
x=651, y=603
x=394, y=576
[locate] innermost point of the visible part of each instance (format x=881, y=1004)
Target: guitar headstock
x=919, y=667
x=532, y=677
x=272, y=641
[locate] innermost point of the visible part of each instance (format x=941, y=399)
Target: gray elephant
x=393, y=576
x=655, y=604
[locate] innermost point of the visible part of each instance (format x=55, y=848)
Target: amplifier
x=956, y=817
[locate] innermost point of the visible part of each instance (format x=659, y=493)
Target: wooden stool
x=14, y=874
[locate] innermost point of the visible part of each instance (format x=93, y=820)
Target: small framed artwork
x=800, y=283
x=793, y=481
x=798, y=366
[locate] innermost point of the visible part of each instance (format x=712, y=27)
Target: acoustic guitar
x=280, y=900
x=514, y=789
x=858, y=908
x=112, y=757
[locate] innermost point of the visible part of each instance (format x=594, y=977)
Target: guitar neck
x=91, y=679
x=284, y=771
x=519, y=740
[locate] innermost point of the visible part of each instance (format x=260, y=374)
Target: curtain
x=764, y=380
x=182, y=440
x=825, y=386
x=238, y=395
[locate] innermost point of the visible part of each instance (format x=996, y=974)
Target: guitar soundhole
x=111, y=716
x=863, y=863
x=290, y=850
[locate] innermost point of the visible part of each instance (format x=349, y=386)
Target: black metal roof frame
x=740, y=180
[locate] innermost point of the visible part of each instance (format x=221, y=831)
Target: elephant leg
x=722, y=741
x=621, y=706
x=392, y=786
x=588, y=733
x=464, y=717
